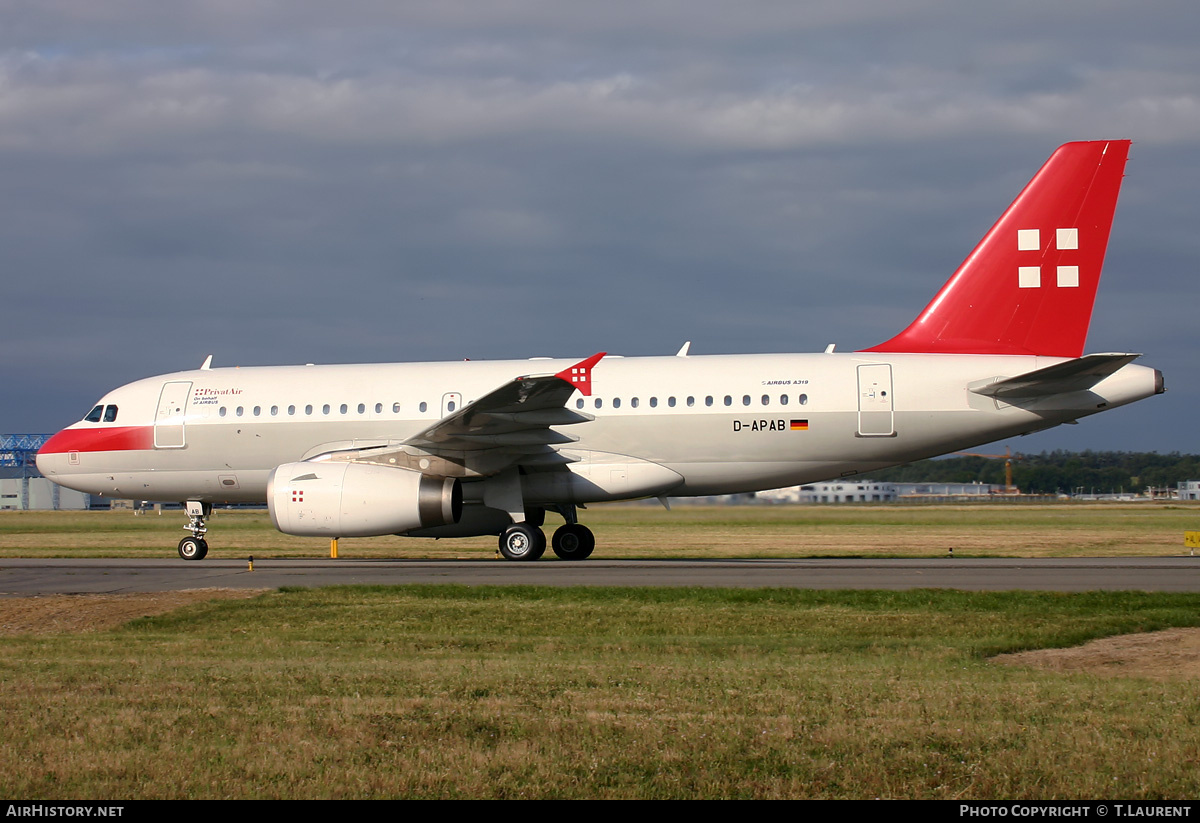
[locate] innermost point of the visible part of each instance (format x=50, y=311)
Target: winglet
x=580, y=375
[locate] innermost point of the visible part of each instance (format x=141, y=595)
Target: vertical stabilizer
x=1029, y=286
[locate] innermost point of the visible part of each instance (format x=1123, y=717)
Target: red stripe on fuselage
x=100, y=439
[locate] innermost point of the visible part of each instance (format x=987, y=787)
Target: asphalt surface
x=26, y=577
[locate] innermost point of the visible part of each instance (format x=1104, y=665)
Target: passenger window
x=599, y=402
x=362, y=409
x=325, y=409
x=308, y=409
x=274, y=410
x=110, y=414
x=221, y=412
x=379, y=408
x=257, y=411
x=745, y=400
x=671, y=402
x=766, y=400
x=633, y=402
x=423, y=406
x=579, y=403
x=728, y=400
x=802, y=399
x=450, y=405
x=783, y=400
x=654, y=402
x=708, y=400
x=691, y=401
x=616, y=402
x=344, y=408
x=395, y=408
x=291, y=409
x=239, y=411
x=94, y=415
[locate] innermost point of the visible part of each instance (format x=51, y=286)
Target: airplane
x=488, y=447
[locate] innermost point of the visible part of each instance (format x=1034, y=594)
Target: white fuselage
x=663, y=425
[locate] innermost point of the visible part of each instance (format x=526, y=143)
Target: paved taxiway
x=1167, y=574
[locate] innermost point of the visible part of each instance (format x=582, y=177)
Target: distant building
x=873, y=491
x=1189, y=490
x=948, y=489
x=22, y=485
x=842, y=491
x=36, y=492
x=835, y=491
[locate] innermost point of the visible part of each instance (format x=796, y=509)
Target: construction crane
x=1009, y=457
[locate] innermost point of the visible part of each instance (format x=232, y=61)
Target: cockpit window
x=94, y=415
x=110, y=414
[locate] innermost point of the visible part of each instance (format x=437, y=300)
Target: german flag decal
x=799, y=425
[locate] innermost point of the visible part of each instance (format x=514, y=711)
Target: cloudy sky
x=373, y=180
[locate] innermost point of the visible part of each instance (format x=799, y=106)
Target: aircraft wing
x=1079, y=374
x=508, y=426
x=519, y=413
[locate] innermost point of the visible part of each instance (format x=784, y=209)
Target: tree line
x=1056, y=471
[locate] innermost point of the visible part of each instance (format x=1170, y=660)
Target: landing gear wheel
x=193, y=548
x=573, y=541
x=521, y=541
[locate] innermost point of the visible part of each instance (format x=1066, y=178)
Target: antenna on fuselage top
x=207, y=364
x=683, y=351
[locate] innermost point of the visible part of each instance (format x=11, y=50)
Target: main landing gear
x=195, y=547
x=525, y=540
x=522, y=541
x=573, y=541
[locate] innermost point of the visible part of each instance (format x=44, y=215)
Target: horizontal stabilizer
x=1061, y=378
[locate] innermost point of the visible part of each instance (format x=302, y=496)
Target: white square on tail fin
x=1029, y=239
x=1068, y=276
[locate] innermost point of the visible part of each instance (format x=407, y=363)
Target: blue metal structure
x=19, y=450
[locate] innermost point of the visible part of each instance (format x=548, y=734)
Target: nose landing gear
x=195, y=547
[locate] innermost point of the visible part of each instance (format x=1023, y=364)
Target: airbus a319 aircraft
x=475, y=448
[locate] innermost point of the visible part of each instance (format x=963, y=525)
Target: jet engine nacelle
x=336, y=499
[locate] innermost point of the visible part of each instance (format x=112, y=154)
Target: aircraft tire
x=521, y=541
x=573, y=541
x=193, y=548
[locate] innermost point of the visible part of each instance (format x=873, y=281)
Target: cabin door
x=875, y=409
x=168, y=421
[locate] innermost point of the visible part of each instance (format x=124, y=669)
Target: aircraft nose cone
x=49, y=456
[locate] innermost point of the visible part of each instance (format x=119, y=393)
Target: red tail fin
x=1029, y=286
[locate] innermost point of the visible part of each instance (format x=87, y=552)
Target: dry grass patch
x=60, y=613
x=1164, y=655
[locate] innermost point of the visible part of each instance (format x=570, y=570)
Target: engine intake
x=335, y=499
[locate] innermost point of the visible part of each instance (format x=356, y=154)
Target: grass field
x=570, y=693
x=509, y=692
x=643, y=531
